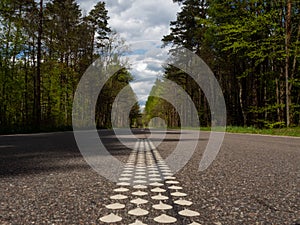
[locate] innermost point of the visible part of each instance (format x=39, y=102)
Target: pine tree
x=252, y=48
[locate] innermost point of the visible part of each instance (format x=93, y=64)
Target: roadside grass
x=292, y=131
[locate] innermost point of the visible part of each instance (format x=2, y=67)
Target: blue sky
x=142, y=23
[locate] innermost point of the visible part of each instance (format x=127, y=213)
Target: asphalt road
x=254, y=180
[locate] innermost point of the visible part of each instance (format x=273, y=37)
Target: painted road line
x=147, y=176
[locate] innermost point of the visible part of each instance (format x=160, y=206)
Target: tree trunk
x=296, y=55
x=38, y=70
x=278, y=100
x=241, y=102
x=287, y=59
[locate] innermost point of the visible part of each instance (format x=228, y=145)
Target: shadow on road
x=58, y=152
x=49, y=152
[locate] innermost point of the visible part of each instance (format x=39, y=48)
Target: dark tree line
x=253, y=49
x=45, y=47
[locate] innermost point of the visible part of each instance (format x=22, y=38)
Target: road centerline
x=148, y=192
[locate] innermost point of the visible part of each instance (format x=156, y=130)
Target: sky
x=142, y=23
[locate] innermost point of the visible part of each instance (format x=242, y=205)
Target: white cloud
x=138, y=19
x=142, y=23
x=144, y=88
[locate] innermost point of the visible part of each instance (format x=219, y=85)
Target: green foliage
x=253, y=49
x=275, y=125
x=98, y=20
x=292, y=131
x=68, y=47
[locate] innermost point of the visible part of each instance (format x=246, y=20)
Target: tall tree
x=98, y=21
x=252, y=47
x=288, y=34
x=44, y=51
x=37, y=100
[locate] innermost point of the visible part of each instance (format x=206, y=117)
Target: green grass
x=293, y=131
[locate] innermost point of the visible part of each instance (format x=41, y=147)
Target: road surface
x=45, y=180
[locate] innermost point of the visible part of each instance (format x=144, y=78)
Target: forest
x=45, y=48
x=252, y=46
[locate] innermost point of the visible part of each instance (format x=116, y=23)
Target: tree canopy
x=252, y=46
x=44, y=50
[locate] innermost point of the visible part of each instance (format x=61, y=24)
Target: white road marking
x=111, y=218
x=138, y=212
x=165, y=219
x=147, y=174
x=115, y=206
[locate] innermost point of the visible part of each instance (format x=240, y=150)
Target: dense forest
x=253, y=48
x=45, y=48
